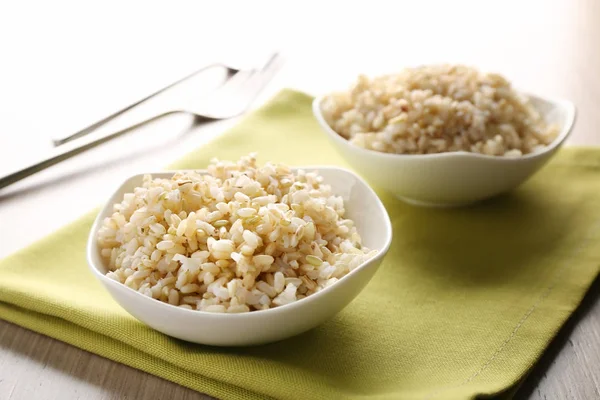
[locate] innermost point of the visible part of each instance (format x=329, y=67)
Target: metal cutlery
x=231, y=99
x=57, y=142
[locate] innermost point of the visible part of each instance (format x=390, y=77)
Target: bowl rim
x=565, y=131
x=91, y=246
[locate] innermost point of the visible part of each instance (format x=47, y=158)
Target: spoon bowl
x=264, y=326
x=452, y=178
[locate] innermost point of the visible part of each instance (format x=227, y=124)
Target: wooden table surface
x=66, y=64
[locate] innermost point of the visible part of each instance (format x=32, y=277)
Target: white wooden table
x=66, y=64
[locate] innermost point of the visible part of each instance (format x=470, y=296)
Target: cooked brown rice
x=239, y=238
x=435, y=109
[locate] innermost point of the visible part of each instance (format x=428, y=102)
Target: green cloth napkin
x=463, y=305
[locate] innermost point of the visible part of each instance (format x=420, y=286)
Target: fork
x=57, y=142
x=228, y=101
x=147, y=114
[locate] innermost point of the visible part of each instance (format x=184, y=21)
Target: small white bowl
x=453, y=178
x=258, y=327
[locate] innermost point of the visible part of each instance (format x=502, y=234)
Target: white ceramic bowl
x=258, y=327
x=453, y=178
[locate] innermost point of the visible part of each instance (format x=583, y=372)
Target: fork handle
x=69, y=150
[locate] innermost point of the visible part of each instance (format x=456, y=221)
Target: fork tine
x=220, y=98
x=236, y=95
x=254, y=85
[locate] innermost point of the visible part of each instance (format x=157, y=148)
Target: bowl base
x=420, y=203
